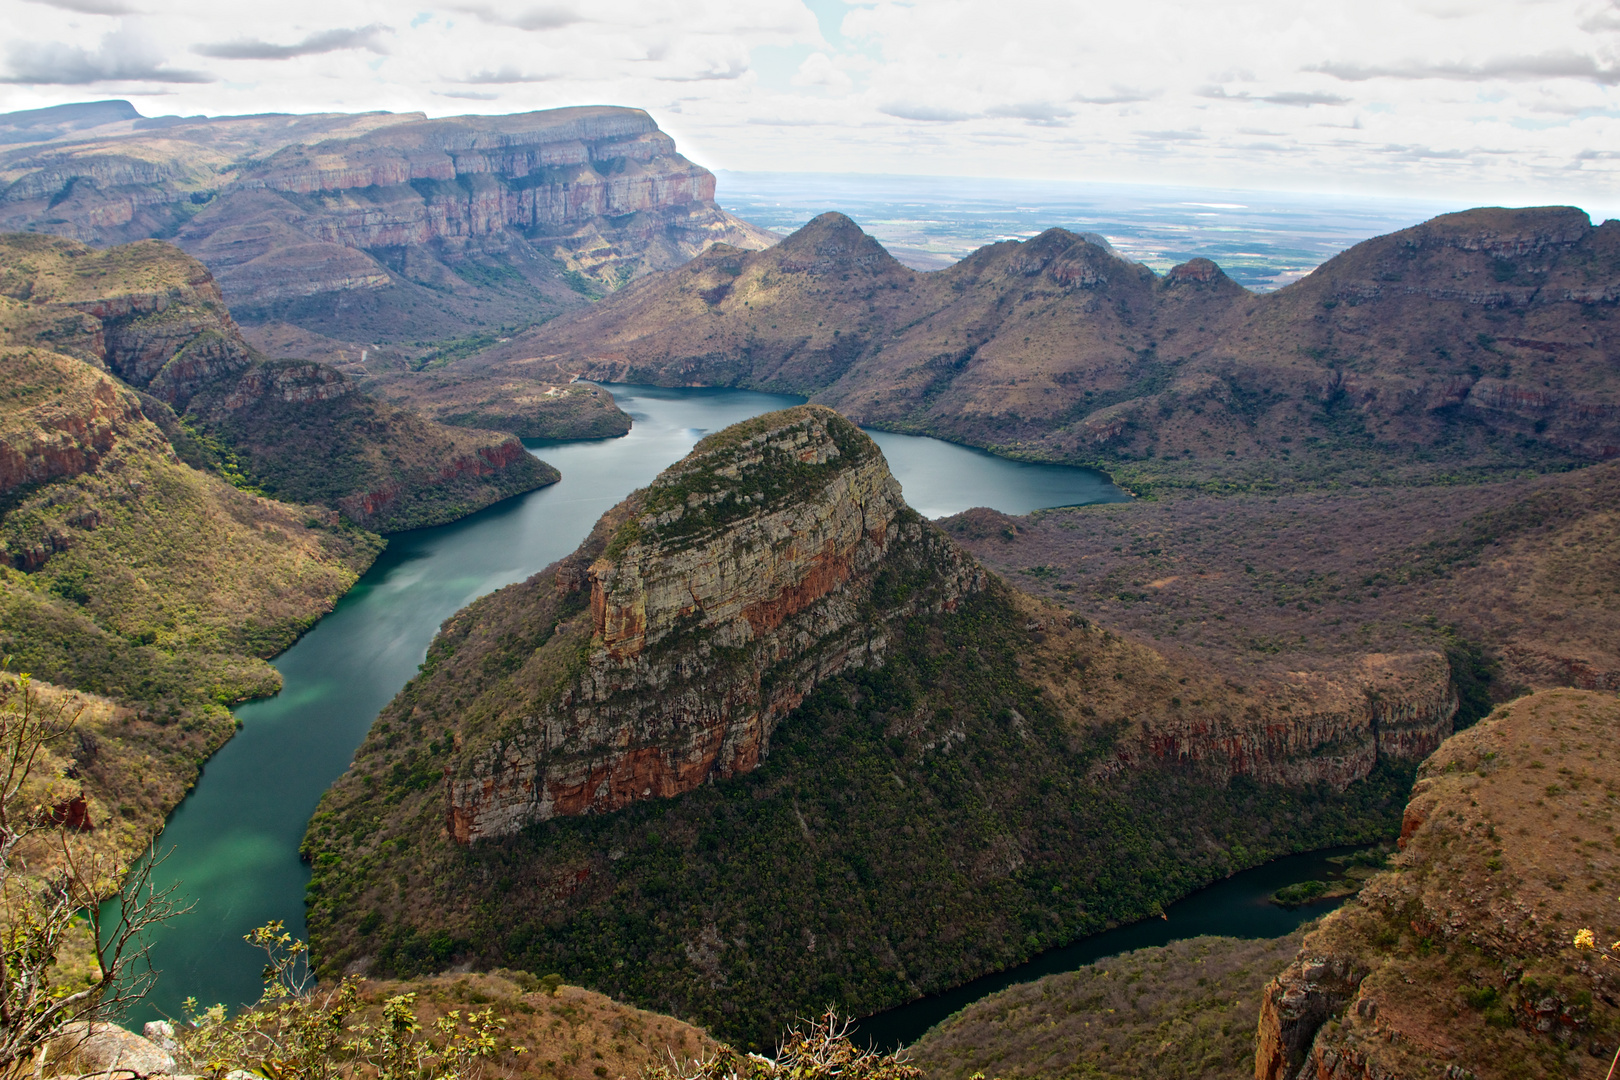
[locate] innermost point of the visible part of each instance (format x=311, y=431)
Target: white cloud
x=1511, y=99
x=818, y=70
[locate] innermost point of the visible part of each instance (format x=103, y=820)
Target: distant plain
x=1262, y=239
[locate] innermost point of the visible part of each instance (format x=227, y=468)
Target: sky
x=1513, y=102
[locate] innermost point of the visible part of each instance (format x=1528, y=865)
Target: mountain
x=1462, y=959
x=301, y=431
x=334, y=230
x=768, y=740
x=1473, y=344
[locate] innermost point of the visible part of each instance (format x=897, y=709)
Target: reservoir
x=232, y=845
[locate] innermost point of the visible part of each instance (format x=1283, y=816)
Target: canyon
x=1472, y=343
x=763, y=668
x=338, y=231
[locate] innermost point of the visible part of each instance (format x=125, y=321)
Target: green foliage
x=1299, y=894
x=298, y=1030
x=913, y=827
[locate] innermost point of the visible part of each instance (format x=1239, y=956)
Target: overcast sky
x=1511, y=102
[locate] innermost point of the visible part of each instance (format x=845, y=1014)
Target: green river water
x=232, y=845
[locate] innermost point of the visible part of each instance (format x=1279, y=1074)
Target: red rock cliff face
x=733, y=588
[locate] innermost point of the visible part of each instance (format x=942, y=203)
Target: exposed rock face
x=61, y=435
x=413, y=220
x=727, y=590
x=1460, y=961
x=1393, y=707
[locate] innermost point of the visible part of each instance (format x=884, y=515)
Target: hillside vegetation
x=1183, y=1011
x=1466, y=956
x=301, y=431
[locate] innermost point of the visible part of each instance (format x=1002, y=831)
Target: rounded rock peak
x=1194, y=271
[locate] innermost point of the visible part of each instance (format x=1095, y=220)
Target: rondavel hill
x=769, y=740
x=1474, y=344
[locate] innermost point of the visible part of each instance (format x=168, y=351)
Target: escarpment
x=1462, y=959
x=726, y=591
x=783, y=742
x=379, y=226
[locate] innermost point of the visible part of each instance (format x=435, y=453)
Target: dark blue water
x=233, y=843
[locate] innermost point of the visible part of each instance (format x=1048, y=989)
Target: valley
x=754, y=696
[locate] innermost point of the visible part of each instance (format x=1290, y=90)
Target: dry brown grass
x=1181, y=1011
x=577, y=1034
x=1466, y=944
x=1256, y=586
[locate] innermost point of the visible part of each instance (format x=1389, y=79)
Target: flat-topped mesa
x=773, y=557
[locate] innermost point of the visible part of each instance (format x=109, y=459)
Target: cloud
x=819, y=70
x=361, y=37
x=1296, y=97
x=734, y=69
x=91, y=7
x=121, y=56
x=1037, y=112
x=502, y=77
x=1171, y=136
x=1561, y=64
x=1285, y=97
x=1120, y=96
x=534, y=18
x=932, y=113
x=467, y=95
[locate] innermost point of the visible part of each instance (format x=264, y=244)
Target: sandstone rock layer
x=725, y=592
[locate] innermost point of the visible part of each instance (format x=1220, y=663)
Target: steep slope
x=1478, y=341
x=1461, y=960
x=153, y=316
x=768, y=740
x=379, y=226
x=153, y=588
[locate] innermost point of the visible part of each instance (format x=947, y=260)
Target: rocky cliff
x=380, y=227
x=1462, y=960
x=781, y=741
x=1481, y=340
x=727, y=590
x=153, y=317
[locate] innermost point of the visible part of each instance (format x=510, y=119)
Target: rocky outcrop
x=154, y=317
x=102, y=1049
x=1332, y=731
x=727, y=591
x=1461, y=961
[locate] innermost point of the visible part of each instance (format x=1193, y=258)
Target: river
x=233, y=843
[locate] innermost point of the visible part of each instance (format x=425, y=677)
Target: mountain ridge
x=1473, y=344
